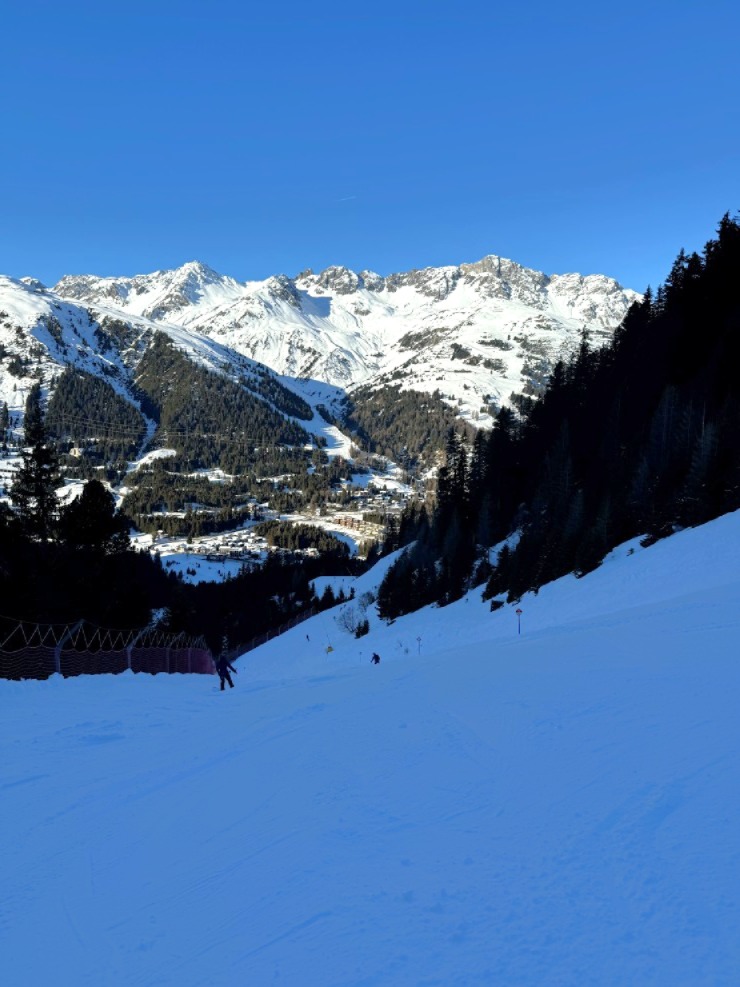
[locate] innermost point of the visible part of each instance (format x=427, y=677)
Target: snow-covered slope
x=482, y=808
x=475, y=332
x=160, y=296
x=41, y=333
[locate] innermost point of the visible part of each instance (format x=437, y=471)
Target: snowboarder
x=375, y=658
x=223, y=666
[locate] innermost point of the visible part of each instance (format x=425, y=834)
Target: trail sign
x=519, y=620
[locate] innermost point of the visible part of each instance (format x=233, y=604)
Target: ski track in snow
x=555, y=808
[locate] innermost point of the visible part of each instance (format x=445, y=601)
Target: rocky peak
x=499, y=277
x=594, y=298
x=434, y=282
x=87, y=287
x=195, y=274
x=340, y=280
x=372, y=281
x=157, y=296
x=282, y=287
x=34, y=284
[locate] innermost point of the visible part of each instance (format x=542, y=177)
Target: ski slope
x=482, y=808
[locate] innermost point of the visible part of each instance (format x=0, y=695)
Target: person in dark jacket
x=375, y=659
x=223, y=666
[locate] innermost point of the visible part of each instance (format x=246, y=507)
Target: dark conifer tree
x=33, y=421
x=91, y=522
x=4, y=423
x=34, y=491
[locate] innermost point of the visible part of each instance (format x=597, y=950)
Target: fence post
x=58, y=649
x=133, y=643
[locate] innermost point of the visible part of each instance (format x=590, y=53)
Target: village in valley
x=361, y=522
x=357, y=511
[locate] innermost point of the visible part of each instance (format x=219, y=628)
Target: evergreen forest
x=638, y=438
x=87, y=414
x=408, y=426
x=212, y=420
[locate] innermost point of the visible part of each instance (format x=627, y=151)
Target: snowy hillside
x=482, y=808
x=476, y=332
x=41, y=333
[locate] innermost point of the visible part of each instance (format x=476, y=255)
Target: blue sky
x=567, y=136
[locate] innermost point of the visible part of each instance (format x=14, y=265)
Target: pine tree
x=33, y=422
x=34, y=491
x=4, y=423
x=91, y=521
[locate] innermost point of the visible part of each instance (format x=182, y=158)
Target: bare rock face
x=339, y=280
x=88, y=288
x=371, y=281
x=283, y=288
x=433, y=282
x=498, y=277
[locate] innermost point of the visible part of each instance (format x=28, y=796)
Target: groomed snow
x=482, y=808
x=197, y=569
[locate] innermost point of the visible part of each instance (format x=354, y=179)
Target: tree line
x=85, y=412
x=298, y=537
x=61, y=563
x=636, y=438
x=407, y=426
x=210, y=419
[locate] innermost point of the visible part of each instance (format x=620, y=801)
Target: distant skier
x=375, y=658
x=223, y=666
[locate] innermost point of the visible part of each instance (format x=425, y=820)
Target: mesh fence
x=36, y=651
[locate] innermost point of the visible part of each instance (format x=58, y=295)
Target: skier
x=375, y=658
x=223, y=666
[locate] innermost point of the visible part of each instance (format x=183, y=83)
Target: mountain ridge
x=41, y=333
x=429, y=329
x=499, y=275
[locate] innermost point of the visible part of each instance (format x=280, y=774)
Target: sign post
x=418, y=641
x=519, y=620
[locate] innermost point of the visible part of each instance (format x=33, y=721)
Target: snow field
x=558, y=808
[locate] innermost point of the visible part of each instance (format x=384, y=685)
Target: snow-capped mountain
x=476, y=332
x=41, y=333
x=160, y=296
